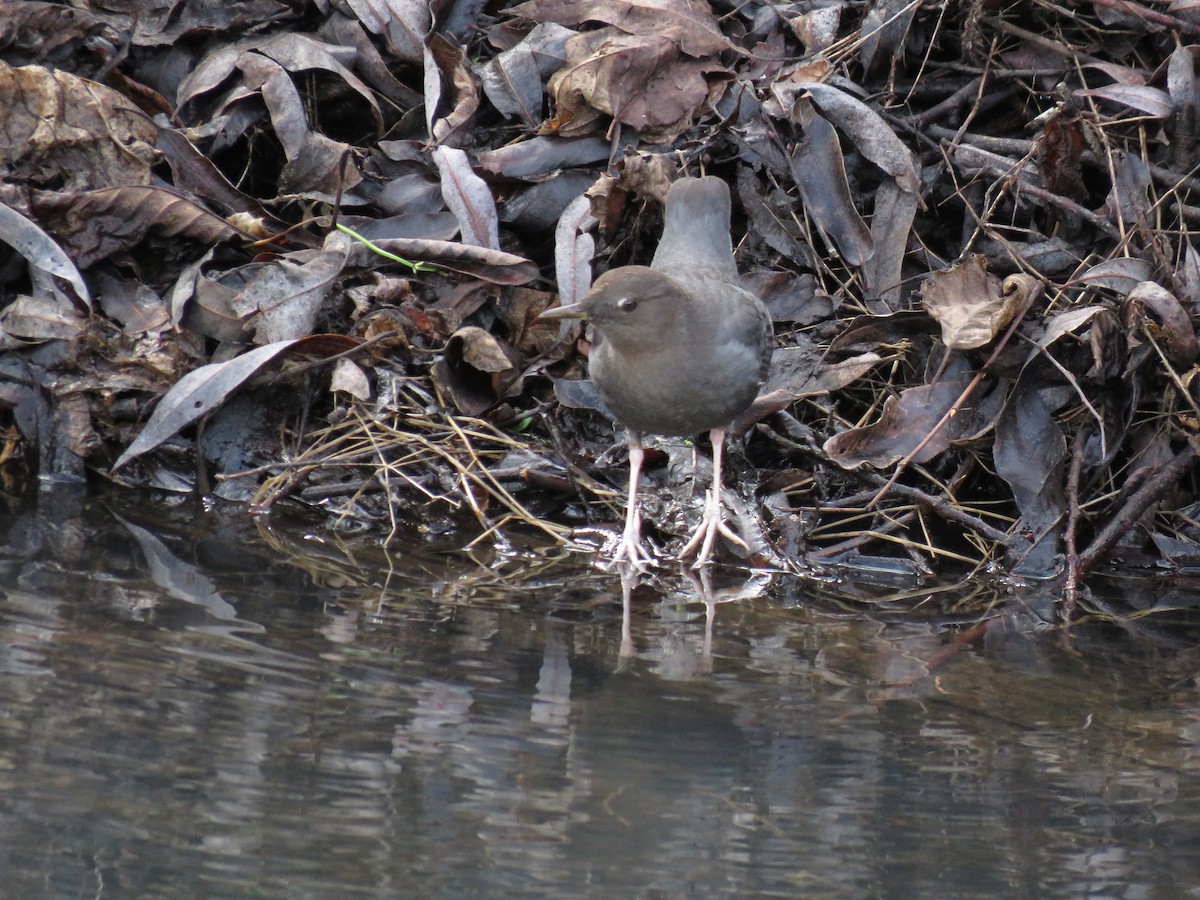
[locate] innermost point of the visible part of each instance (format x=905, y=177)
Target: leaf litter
x=329, y=242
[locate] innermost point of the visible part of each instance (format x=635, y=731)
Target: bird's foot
x=631, y=551
x=705, y=536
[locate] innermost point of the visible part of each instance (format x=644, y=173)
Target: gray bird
x=681, y=347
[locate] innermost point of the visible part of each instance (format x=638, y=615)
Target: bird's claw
x=710, y=526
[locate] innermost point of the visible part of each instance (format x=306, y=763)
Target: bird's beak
x=570, y=311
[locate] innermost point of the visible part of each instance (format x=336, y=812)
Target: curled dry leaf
x=574, y=248
x=1170, y=325
x=968, y=304
x=495, y=266
x=47, y=261
x=865, y=127
x=349, y=378
x=476, y=370
x=34, y=320
x=447, y=79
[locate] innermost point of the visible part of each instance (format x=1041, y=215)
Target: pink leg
x=631, y=549
x=712, y=522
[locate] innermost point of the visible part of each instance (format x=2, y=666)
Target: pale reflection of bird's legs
x=628, y=579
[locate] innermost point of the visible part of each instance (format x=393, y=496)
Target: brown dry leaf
x=203, y=390
x=574, y=248
x=883, y=31
x=803, y=370
x=1149, y=100
x=35, y=320
x=292, y=52
x=689, y=25
x=542, y=156
x=817, y=29
x=1030, y=452
x=445, y=69
x=1170, y=325
x=865, y=128
x=476, y=370
x=316, y=165
x=495, y=266
x=641, y=81
x=908, y=420
x=58, y=36
x=282, y=300
x=468, y=197
x=96, y=225
x=1121, y=274
x=71, y=133
x=891, y=225
x=820, y=172
x=349, y=378
x=969, y=304
x=48, y=264
x=513, y=81
x=402, y=23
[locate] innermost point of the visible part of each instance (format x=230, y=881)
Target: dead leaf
x=542, y=156
x=46, y=259
x=1030, y=453
x=641, y=81
x=469, y=198
x=70, y=133
x=200, y=392
x=907, y=420
x=476, y=370
x=403, y=24
x=820, y=173
x=447, y=78
x=282, y=300
x=865, y=128
x=574, y=248
x=969, y=304
x=96, y=225
x=690, y=26
x=349, y=378
x=1151, y=101
x=495, y=266
x=1121, y=274
x=1170, y=324
x=514, y=80
x=33, y=320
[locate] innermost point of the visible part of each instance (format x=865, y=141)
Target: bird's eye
x=627, y=304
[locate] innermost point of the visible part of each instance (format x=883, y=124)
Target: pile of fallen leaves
x=281, y=250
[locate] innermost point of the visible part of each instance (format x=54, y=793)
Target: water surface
x=197, y=704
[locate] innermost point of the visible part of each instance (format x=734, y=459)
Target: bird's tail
x=696, y=227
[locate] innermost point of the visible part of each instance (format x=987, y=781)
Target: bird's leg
x=712, y=523
x=631, y=549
